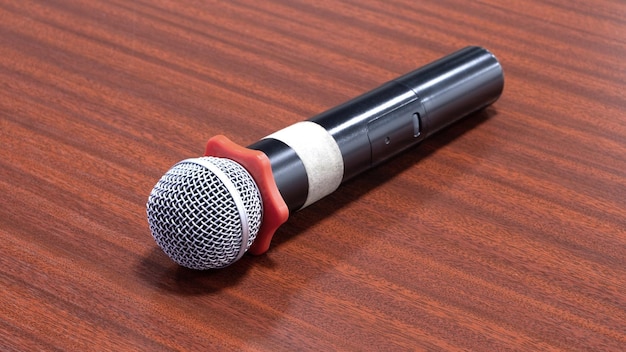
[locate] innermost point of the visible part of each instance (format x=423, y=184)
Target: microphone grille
x=205, y=212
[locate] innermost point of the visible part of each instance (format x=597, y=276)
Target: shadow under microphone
x=206, y=212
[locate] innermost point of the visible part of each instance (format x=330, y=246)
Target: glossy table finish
x=504, y=231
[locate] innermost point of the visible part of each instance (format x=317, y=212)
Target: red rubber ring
x=275, y=210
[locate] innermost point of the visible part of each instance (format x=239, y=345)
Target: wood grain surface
x=506, y=231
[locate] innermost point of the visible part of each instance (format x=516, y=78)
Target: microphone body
x=377, y=125
x=300, y=164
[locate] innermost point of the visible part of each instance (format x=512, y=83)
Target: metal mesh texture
x=194, y=217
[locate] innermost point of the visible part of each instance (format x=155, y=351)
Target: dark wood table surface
x=506, y=231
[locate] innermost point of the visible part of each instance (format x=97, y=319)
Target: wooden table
x=505, y=231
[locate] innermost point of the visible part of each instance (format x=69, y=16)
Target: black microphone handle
x=310, y=159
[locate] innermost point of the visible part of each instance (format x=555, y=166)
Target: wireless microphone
x=207, y=212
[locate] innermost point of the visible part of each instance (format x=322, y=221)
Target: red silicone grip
x=275, y=210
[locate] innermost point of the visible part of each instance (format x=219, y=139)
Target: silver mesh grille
x=205, y=212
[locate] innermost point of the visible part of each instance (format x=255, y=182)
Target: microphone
x=207, y=212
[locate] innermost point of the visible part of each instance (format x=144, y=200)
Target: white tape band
x=320, y=155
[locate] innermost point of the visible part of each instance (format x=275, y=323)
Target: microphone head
x=205, y=212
